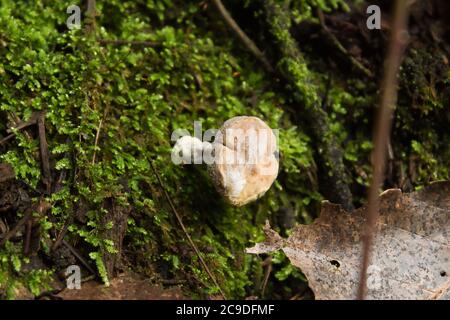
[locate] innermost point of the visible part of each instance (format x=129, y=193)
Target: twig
x=41, y=207
x=51, y=294
x=382, y=130
x=43, y=147
x=129, y=42
x=173, y=282
x=20, y=125
x=61, y=234
x=96, y=140
x=26, y=124
x=191, y=242
x=7, y=138
x=91, y=14
x=268, y=264
x=28, y=231
x=241, y=34
x=17, y=121
x=78, y=256
x=16, y=228
x=335, y=41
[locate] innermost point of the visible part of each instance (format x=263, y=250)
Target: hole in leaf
x=443, y=273
x=335, y=263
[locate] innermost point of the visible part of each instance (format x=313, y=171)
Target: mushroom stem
x=190, y=149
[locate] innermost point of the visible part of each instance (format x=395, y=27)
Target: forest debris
x=186, y=233
x=242, y=36
x=20, y=125
x=411, y=256
x=6, y=172
x=41, y=207
x=91, y=15
x=117, y=216
x=124, y=287
x=119, y=42
x=78, y=256
x=340, y=48
x=25, y=124
x=45, y=158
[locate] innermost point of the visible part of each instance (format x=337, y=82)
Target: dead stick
x=129, y=42
x=26, y=124
x=91, y=13
x=78, y=256
x=241, y=34
x=28, y=230
x=7, y=138
x=20, y=125
x=180, y=221
x=268, y=264
x=40, y=208
x=97, y=135
x=61, y=234
x=337, y=44
x=16, y=228
x=46, y=175
x=382, y=131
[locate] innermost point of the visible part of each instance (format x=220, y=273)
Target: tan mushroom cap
x=246, y=163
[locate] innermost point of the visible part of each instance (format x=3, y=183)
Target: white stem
x=188, y=150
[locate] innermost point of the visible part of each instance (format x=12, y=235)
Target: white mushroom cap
x=246, y=163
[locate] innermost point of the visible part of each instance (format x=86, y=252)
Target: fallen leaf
x=411, y=255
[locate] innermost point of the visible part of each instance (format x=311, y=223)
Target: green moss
x=133, y=98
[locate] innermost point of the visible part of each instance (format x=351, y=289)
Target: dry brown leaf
x=411, y=257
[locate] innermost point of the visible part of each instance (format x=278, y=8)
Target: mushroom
x=242, y=161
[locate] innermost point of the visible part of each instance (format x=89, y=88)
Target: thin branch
x=91, y=13
x=41, y=207
x=24, y=125
x=97, y=135
x=78, y=256
x=60, y=236
x=7, y=138
x=241, y=34
x=16, y=228
x=20, y=125
x=43, y=147
x=268, y=264
x=191, y=242
x=382, y=131
x=337, y=44
x=129, y=42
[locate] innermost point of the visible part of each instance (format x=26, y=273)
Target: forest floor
x=86, y=176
